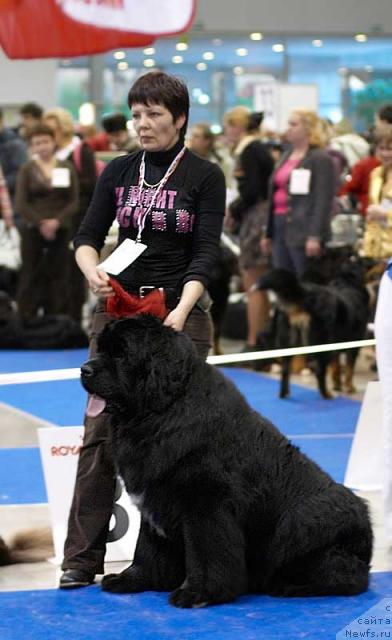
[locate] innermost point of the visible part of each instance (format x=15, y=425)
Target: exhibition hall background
x=343, y=47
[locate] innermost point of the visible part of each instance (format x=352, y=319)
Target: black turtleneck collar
x=164, y=158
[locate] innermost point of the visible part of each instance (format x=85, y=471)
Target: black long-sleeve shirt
x=255, y=166
x=181, y=232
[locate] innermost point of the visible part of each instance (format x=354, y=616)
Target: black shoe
x=75, y=578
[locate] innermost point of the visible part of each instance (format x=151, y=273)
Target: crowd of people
x=282, y=191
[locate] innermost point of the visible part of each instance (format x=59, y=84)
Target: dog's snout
x=87, y=370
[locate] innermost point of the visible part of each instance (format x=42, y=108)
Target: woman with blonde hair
x=247, y=214
x=71, y=148
x=301, y=196
x=378, y=229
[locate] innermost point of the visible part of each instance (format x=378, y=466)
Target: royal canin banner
x=67, y=28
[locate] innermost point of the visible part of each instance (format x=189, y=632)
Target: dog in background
x=228, y=505
x=32, y=545
x=310, y=314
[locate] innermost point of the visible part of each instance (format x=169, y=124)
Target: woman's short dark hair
x=161, y=88
x=114, y=122
x=40, y=129
x=31, y=109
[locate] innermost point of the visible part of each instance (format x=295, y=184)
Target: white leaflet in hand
x=61, y=177
x=126, y=253
x=300, y=182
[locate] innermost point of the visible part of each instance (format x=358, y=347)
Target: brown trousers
x=94, y=493
x=43, y=276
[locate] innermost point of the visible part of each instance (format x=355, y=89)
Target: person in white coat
x=383, y=331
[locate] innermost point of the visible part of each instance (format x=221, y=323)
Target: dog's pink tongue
x=95, y=406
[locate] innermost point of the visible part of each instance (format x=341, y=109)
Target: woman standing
x=247, y=214
x=378, y=228
x=46, y=199
x=71, y=148
x=301, y=196
x=173, y=202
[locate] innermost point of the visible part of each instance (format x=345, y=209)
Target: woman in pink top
x=301, y=196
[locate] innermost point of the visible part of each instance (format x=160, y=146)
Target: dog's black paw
x=128, y=581
x=186, y=598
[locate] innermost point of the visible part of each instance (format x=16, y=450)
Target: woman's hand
x=99, y=284
x=48, y=228
x=176, y=319
x=374, y=213
x=312, y=247
x=266, y=246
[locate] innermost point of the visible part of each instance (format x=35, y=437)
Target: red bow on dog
x=124, y=304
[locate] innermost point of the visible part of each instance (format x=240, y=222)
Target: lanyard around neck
x=142, y=170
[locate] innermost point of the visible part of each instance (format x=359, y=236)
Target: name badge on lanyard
x=300, y=182
x=61, y=177
x=126, y=253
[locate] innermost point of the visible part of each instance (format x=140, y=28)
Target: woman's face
x=43, y=146
x=234, y=132
x=296, y=132
x=155, y=126
x=198, y=142
x=384, y=152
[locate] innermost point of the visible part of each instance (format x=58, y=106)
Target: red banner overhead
x=66, y=28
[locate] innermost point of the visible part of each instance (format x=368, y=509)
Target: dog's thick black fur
x=228, y=506
x=310, y=314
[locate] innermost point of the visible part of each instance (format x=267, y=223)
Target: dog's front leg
x=215, y=559
x=158, y=565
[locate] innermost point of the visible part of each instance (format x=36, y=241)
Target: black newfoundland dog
x=228, y=506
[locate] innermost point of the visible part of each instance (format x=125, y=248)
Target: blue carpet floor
x=90, y=614
x=15, y=361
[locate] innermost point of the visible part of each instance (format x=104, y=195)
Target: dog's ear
x=169, y=364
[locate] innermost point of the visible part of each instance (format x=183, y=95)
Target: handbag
x=10, y=254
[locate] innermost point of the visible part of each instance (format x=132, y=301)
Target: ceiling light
x=256, y=36
x=216, y=128
x=278, y=48
x=149, y=51
x=208, y=55
x=241, y=51
x=201, y=66
x=149, y=62
x=177, y=59
x=238, y=70
x=361, y=37
x=122, y=66
x=217, y=42
x=119, y=55
x=204, y=99
x=181, y=46
x=317, y=43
